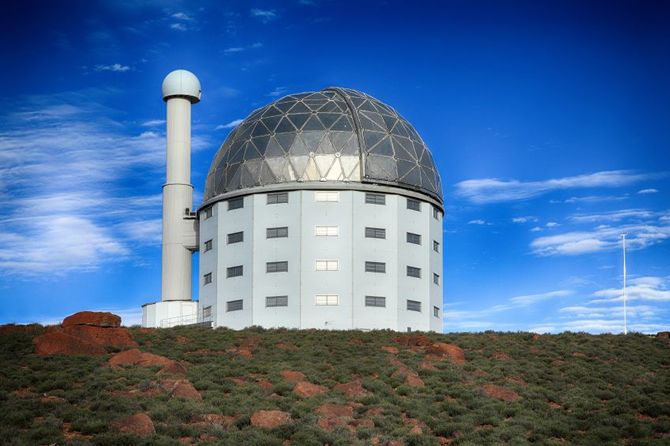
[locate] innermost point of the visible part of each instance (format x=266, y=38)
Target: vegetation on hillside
x=514, y=388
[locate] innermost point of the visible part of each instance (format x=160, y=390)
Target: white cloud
x=153, y=123
x=614, y=216
x=278, y=91
x=648, y=288
x=239, y=49
x=178, y=27
x=232, y=124
x=182, y=16
x=552, y=224
x=647, y=191
x=536, y=229
x=264, y=15
x=594, y=199
x=492, y=190
x=477, y=222
x=525, y=219
x=534, y=298
x=114, y=67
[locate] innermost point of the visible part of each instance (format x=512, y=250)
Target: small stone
x=138, y=424
x=270, y=419
x=306, y=389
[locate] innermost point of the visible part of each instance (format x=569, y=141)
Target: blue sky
x=548, y=121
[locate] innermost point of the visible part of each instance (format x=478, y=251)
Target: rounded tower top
x=182, y=83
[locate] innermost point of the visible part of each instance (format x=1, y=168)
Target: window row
x=322, y=196
x=320, y=265
x=324, y=300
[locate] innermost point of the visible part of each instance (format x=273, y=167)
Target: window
x=436, y=246
x=414, y=205
x=413, y=238
x=208, y=213
x=436, y=213
x=371, y=198
x=235, y=203
x=277, y=198
x=276, y=301
x=208, y=246
x=327, y=300
x=236, y=237
x=235, y=271
x=375, y=233
x=375, y=267
x=277, y=232
x=436, y=311
x=207, y=312
x=276, y=267
x=327, y=265
x=327, y=231
x=234, y=305
x=436, y=279
x=414, y=271
x=326, y=195
x=207, y=278
x=413, y=305
x=375, y=301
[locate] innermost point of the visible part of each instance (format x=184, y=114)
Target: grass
x=575, y=388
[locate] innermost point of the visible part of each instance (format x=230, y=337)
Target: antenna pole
x=625, y=297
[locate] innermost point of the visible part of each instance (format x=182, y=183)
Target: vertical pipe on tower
x=181, y=89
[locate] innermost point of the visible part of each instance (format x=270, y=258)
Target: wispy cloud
x=513, y=303
x=524, y=219
x=649, y=288
x=647, y=191
x=593, y=199
x=153, y=123
x=232, y=124
x=118, y=68
x=477, y=222
x=182, y=16
x=240, y=49
x=178, y=27
x=278, y=91
x=264, y=15
x=493, y=190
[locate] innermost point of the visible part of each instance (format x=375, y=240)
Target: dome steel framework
x=334, y=135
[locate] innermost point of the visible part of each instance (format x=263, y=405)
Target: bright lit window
x=326, y=195
x=327, y=265
x=327, y=231
x=327, y=300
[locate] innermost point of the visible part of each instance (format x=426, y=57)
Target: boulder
x=414, y=340
x=392, y=350
x=335, y=410
x=112, y=337
x=451, y=352
x=94, y=318
x=292, y=376
x=137, y=357
x=306, y=389
x=60, y=343
x=184, y=389
x=270, y=419
x=663, y=335
x=138, y=424
x=351, y=390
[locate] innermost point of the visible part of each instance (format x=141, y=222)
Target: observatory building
x=320, y=210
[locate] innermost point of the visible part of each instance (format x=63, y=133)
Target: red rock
x=352, y=390
x=663, y=335
x=413, y=380
x=97, y=319
x=61, y=343
x=480, y=373
x=174, y=368
x=182, y=340
x=265, y=384
x=415, y=340
x=535, y=337
x=292, y=376
x=306, y=389
x=138, y=424
x=362, y=422
x=270, y=419
x=184, y=389
x=454, y=353
x=137, y=357
x=13, y=328
x=335, y=410
x=418, y=426
x=287, y=346
x=392, y=350
x=425, y=365
x=112, y=337
x=500, y=393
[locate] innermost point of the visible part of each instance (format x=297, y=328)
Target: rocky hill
x=91, y=381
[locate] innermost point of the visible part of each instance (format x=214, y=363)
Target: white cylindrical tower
x=180, y=89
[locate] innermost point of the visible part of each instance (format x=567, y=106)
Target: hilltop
x=194, y=385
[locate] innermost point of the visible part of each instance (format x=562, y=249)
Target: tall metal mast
x=625, y=297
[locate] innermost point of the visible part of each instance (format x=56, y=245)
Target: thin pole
x=625, y=297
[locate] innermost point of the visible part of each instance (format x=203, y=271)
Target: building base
x=167, y=314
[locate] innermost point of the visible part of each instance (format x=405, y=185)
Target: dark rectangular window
x=235, y=203
x=436, y=312
x=436, y=246
x=375, y=301
x=375, y=267
x=208, y=246
x=277, y=232
x=371, y=198
x=436, y=279
x=207, y=312
x=413, y=238
x=208, y=213
x=234, y=305
x=207, y=278
x=436, y=214
x=413, y=305
x=276, y=267
x=277, y=198
x=413, y=204
x=413, y=271
x=235, y=271
x=375, y=232
x=276, y=301
x=236, y=237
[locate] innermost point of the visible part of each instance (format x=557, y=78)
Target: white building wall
x=436, y=291
x=208, y=261
x=302, y=248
